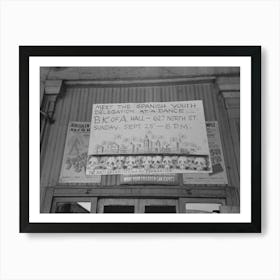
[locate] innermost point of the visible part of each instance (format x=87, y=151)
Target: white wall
x=139, y=256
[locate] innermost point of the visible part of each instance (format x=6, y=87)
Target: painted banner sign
x=219, y=174
x=73, y=169
x=148, y=138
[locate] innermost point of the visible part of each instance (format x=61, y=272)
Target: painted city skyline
x=150, y=143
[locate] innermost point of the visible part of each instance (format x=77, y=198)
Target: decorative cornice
x=140, y=82
x=53, y=86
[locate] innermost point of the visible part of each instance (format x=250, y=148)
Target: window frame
x=70, y=199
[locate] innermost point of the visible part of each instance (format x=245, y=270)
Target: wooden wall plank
x=58, y=144
x=228, y=144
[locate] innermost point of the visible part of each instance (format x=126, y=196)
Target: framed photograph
x=140, y=138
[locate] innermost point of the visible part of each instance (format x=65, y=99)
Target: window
x=160, y=209
x=201, y=205
x=118, y=209
x=74, y=205
x=117, y=205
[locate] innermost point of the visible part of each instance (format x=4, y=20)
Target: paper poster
x=148, y=138
x=73, y=169
x=218, y=175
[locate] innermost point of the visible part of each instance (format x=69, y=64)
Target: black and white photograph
x=149, y=131
x=140, y=139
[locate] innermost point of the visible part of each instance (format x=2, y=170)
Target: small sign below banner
x=219, y=175
x=167, y=179
x=73, y=169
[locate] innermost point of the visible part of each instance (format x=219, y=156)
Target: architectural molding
x=140, y=82
x=53, y=86
x=52, y=90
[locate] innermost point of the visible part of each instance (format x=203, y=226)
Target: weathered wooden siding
x=76, y=105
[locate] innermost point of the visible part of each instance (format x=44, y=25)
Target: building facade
x=67, y=96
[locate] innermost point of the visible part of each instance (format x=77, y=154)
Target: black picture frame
x=254, y=52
